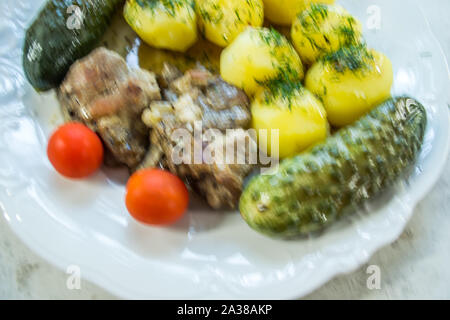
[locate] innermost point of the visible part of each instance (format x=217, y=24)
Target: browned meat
x=102, y=92
x=121, y=104
x=199, y=96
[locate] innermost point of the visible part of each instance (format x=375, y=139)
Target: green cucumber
x=312, y=190
x=56, y=39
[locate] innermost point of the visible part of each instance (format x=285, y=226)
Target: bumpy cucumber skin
x=51, y=47
x=310, y=191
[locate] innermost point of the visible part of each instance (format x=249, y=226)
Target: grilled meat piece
x=103, y=93
x=193, y=98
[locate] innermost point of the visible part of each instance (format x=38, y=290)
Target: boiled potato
x=298, y=115
x=166, y=24
x=258, y=55
x=283, y=12
x=350, y=82
x=221, y=21
x=322, y=29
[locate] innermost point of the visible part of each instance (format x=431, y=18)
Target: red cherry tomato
x=75, y=151
x=156, y=197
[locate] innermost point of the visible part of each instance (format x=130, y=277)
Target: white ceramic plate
x=208, y=254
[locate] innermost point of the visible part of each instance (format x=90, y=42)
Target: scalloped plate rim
x=293, y=290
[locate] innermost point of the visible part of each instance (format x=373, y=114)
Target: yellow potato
x=221, y=21
x=322, y=29
x=350, y=82
x=258, y=55
x=298, y=115
x=165, y=24
x=283, y=12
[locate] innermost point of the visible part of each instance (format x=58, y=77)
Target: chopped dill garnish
x=238, y=16
x=353, y=58
x=347, y=32
x=311, y=24
x=284, y=88
x=285, y=85
x=311, y=18
x=272, y=37
x=170, y=6
x=319, y=10
x=215, y=15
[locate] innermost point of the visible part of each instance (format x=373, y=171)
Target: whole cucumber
x=58, y=37
x=310, y=191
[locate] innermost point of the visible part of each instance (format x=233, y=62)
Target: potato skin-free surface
x=221, y=21
x=322, y=29
x=283, y=12
x=350, y=83
x=298, y=115
x=256, y=55
x=165, y=24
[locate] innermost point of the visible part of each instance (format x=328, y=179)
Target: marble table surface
x=413, y=267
